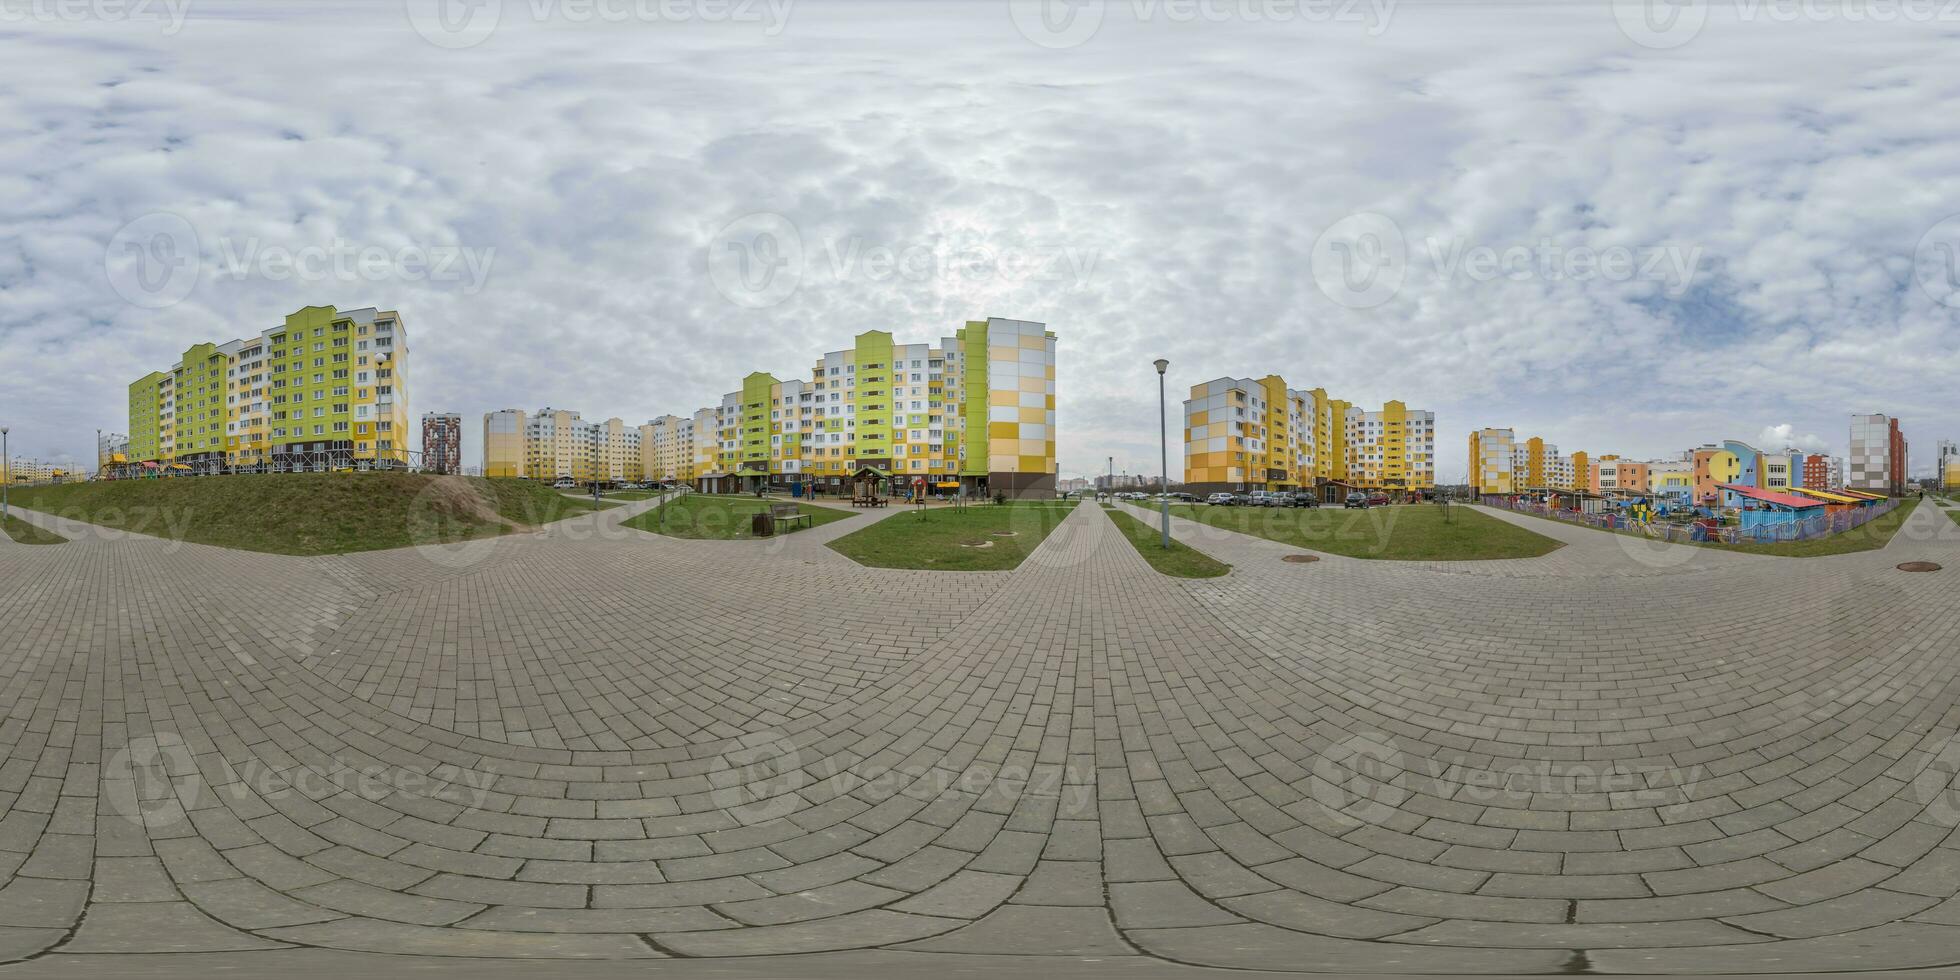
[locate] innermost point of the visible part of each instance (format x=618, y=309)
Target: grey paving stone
x=1523, y=766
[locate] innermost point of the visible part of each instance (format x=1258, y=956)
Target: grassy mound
x=309, y=513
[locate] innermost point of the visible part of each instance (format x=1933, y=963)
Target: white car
x=1221, y=499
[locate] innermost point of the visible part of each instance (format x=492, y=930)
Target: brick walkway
x=595, y=742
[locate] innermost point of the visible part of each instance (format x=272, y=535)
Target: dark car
x=1356, y=499
x=1301, y=498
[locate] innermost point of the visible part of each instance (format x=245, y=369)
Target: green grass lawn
x=1865, y=537
x=1399, y=532
x=631, y=495
x=1180, y=561
x=720, y=517
x=310, y=513
x=25, y=533
x=977, y=538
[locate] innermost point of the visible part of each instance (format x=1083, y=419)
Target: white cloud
x=1776, y=437
x=1192, y=166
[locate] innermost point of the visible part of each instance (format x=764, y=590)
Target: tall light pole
x=1164, y=451
x=6, y=470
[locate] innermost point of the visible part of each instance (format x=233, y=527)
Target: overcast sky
x=1622, y=232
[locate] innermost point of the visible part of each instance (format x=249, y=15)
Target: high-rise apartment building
x=977, y=410
x=1493, y=461
x=442, y=443
x=556, y=443
x=1243, y=434
x=327, y=390
x=1878, y=455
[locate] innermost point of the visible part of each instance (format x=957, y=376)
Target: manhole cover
x=1300, y=559
x=1003, y=534
x=1920, y=566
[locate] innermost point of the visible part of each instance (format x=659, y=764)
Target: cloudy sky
x=1626, y=230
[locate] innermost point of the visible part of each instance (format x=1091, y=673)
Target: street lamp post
x=1164, y=452
x=6, y=470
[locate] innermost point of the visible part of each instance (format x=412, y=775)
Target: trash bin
x=762, y=525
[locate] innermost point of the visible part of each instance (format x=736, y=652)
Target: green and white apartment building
x=976, y=411
x=324, y=390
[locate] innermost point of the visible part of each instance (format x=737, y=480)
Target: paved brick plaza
x=593, y=742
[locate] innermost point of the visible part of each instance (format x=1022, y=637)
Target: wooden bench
x=788, y=515
x=872, y=501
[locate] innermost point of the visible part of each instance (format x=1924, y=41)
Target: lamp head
x=1162, y=365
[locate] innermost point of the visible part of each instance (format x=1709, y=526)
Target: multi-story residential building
x=327, y=390
x=555, y=443
x=442, y=442
x=977, y=410
x=1393, y=449
x=1532, y=462
x=1493, y=461
x=1878, y=455
x=1944, y=464
x=503, y=443
x=1243, y=434
x=667, y=449
x=1817, y=472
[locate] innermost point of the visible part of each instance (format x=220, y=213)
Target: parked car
x=1263, y=498
x=1356, y=499
x=1184, y=498
x=564, y=483
x=1221, y=499
x=1302, y=498
x=1378, y=500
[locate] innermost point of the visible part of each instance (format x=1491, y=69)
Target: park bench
x=788, y=515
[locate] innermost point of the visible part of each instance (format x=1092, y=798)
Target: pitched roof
x=1771, y=496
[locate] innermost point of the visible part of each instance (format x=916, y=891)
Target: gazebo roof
x=872, y=471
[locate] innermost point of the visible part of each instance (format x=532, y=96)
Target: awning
x=149, y=464
x=872, y=471
x=747, y=472
x=1836, y=498
x=952, y=485
x=179, y=466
